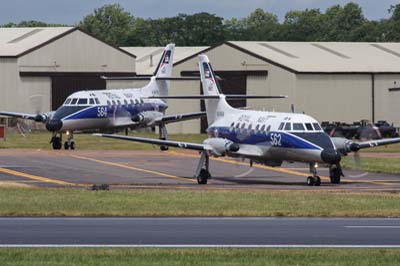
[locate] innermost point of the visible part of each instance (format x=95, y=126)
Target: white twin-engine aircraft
x=117, y=108
x=263, y=137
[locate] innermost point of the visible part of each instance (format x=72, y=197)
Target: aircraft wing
x=180, y=117
x=177, y=144
x=19, y=115
x=375, y=143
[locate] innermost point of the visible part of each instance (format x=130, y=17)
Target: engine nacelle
x=44, y=117
x=345, y=146
x=221, y=146
x=147, y=118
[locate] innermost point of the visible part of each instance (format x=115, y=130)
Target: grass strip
x=158, y=202
x=204, y=257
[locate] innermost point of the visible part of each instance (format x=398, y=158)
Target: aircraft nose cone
x=330, y=156
x=54, y=125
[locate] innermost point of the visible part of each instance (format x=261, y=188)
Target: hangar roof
x=15, y=42
x=148, y=57
x=326, y=57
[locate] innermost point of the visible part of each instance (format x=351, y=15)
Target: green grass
x=204, y=257
x=77, y=202
x=379, y=165
x=40, y=140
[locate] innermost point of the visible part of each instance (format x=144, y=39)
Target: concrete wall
x=334, y=97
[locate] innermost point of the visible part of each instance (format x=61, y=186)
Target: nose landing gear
x=56, y=141
x=69, y=144
x=313, y=180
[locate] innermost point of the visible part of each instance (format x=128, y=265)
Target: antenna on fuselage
x=292, y=107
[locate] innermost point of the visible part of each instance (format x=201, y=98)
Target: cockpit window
x=268, y=128
x=298, y=126
x=91, y=101
x=281, y=126
x=97, y=100
x=288, y=126
x=309, y=126
x=108, y=103
x=113, y=102
x=141, y=101
x=136, y=101
x=317, y=126
x=67, y=101
x=131, y=101
x=82, y=101
x=74, y=101
x=126, y=103
x=262, y=128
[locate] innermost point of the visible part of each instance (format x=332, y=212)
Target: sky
x=72, y=11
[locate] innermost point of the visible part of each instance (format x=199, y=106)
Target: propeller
x=366, y=132
x=25, y=127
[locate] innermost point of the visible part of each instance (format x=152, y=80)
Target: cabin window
x=237, y=125
x=109, y=103
x=309, y=126
x=114, y=103
x=136, y=101
x=268, y=128
x=243, y=125
x=82, y=101
x=288, y=126
x=316, y=126
x=97, y=100
x=281, y=126
x=91, y=101
x=262, y=128
x=141, y=101
x=233, y=123
x=68, y=101
x=126, y=103
x=298, y=126
x=257, y=127
x=74, y=101
x=250, y=126
x=131, y=101
x=119, y=102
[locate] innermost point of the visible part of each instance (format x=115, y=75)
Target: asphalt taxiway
x=172, y=169
x=200, y=232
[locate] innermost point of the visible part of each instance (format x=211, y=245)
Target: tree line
x=346, y=23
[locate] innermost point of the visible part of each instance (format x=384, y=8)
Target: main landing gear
x=313, y=180
x=56, y=141
x=335, y=173
x=202, y=172
x=163, y=135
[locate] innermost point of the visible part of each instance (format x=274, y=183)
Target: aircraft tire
x=66, y=145
x=72, y=145
x=335, y=176
x=310, y=181
x=56, y=143
x=203, y=177
x=317, y=181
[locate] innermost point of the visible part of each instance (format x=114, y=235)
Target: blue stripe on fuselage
x=114, y=111
x=273, y=138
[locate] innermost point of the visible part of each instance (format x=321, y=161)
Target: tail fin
x=215, y=108
x=164, y=67
x=164, y=70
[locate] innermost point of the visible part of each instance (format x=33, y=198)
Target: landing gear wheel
x=310, y=181
x=314, y=181
x=66, y=145
x=164, y=148
x=317, y=181
x=203, y=177
x=72, y=146
x=56, y=143
x=335, y=175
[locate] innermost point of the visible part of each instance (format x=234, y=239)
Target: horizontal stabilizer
x=149, y=78
x=229, y=97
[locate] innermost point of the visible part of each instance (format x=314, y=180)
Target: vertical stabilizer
x=215, y=108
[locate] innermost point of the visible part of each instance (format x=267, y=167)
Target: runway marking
x=373, y=226
x=188, y=246
x=132, y=168
x=37, y=178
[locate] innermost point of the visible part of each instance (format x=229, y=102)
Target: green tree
x=392, y=26
x=110, y=23
x=302, y=25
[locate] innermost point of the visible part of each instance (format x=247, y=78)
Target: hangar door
x=231, y=82
x=63, y=86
